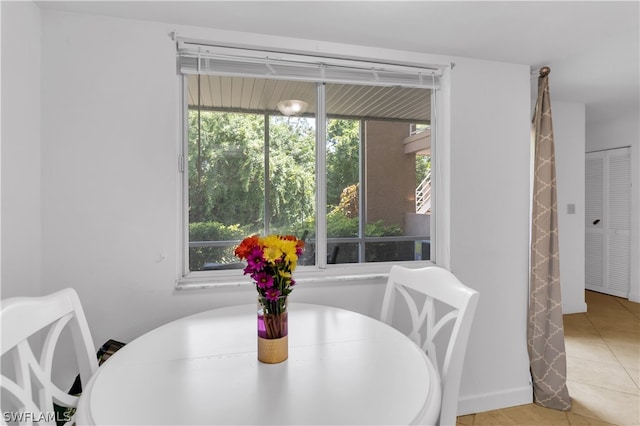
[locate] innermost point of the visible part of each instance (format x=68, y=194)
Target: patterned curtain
x=545, y=331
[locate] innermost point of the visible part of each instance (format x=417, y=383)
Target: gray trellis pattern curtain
x=545, y=331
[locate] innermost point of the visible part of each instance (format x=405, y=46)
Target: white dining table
x=343, y=368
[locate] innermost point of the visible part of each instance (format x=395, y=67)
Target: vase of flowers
x=270, y=263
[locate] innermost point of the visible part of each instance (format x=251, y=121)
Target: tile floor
x=603, y=370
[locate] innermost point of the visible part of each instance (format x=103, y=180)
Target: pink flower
x=255, y=261
x=263, y=280
x=272, y=294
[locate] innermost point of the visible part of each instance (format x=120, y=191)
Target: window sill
x=334, y=274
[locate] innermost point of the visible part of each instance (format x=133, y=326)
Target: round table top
x=343, y=368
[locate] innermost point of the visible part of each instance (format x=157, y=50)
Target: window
x=349, y=173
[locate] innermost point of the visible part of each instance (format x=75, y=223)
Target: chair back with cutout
x=33, y=322
x=436, y=311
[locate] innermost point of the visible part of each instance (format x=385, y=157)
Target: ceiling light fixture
x=292, y=107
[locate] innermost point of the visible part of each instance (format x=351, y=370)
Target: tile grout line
x=596, y=328
x=606, y=389
x=600, y=335
x=619, y=301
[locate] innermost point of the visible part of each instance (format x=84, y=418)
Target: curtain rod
x=542, y=72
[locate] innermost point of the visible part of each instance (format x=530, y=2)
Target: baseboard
x=496, y=400
x=574, y=308
x=634, y=297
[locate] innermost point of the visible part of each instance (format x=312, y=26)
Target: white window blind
x=216, y=60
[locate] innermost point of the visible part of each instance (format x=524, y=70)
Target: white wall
x=489, y=222
x=569, y=138
x=110, y=190
x=21, y=228
x=620, y=130
x=0, y=148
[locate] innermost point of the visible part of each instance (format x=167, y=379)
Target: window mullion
x=321, y=178
x=362, y=219
x=184, y=166
x=267, y=180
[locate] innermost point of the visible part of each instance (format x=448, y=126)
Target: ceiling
x=342, y=100
x=592, y=47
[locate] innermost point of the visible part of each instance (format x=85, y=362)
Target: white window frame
x=319, y=273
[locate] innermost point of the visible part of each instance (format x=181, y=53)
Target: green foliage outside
x=226, y=180
x=213, y=231
x=343, y=157
x=226, y=169
x=423, y=167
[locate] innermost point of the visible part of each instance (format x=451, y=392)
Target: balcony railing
x=423, y=195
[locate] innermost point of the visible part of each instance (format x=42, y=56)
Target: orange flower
x=245, y=247
x=299, y=243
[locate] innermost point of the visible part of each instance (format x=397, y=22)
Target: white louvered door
x=594, y=221
x=607, y=221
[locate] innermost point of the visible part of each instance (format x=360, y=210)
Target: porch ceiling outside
x=343, y=100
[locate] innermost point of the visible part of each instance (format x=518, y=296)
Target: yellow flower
x=275, y=248
x=293, y=262
x=289, y=250
x=285, y=274
x=272, y=254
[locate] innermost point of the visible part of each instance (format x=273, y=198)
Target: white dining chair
x=438, y=316
x=31, y=392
